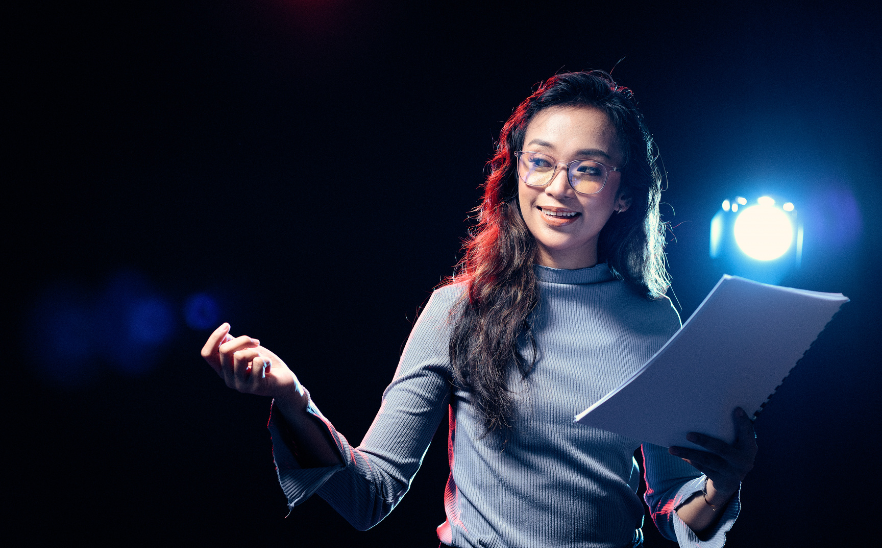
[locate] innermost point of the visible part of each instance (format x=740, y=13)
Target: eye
x=589, y=169
x=539, y=161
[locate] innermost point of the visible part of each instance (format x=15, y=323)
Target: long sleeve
x=375, y=475
x=670, y=482
x=545, y=482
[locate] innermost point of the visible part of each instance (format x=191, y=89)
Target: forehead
x=568, y=128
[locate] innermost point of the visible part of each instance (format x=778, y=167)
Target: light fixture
x=759, y=237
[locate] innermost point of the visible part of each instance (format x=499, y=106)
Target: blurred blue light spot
x=134, y=321
x=59, y=336
x=151, y=321
x=201, y=311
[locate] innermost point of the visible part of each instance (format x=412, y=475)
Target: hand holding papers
x=734, y=351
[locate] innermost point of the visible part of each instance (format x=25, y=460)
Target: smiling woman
x=558, y=298
x=566, y=222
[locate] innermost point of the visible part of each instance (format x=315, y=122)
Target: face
x=566, y=225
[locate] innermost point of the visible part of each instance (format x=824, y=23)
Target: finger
x=257, y=381
x=746, y=430
x=258, y=368
x=269, y=353
x=705, y=462
x=227, y=349
x=239, y=373
x=210, y=351
x=716, y=470
x=238, y=343
x=214, y=340
x=711, y=444
x=736, y=459
x=269, y=357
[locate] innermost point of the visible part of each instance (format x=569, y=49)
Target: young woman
x=558, y=299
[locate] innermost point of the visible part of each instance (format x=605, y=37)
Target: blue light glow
x=717, y=229
x=151, y=321
x=202, y=311
x=134, y=322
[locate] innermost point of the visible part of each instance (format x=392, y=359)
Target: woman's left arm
x=724, y=465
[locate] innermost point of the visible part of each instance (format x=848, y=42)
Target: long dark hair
x=498, y=258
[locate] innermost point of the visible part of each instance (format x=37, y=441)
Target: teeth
x=559, y=213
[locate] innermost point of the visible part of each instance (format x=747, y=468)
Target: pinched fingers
x=210, y=352
x=246, y=370
x=229, y=346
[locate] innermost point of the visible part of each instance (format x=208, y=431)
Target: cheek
x=525, y=199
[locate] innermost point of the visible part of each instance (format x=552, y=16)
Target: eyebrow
x=581, y=152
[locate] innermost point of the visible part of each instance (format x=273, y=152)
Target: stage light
x=759, y=238
x=763, y=231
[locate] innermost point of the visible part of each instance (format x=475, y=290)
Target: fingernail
x=266, y=364
x=255, y=341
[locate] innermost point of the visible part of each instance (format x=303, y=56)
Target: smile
x=558, y=213
x=558, y=217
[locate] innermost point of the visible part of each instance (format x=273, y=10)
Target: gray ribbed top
x=552, y=482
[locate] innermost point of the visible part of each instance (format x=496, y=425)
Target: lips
x=558, y=216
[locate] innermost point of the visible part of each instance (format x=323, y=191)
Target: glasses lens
x=536, y=169
x=588, y=176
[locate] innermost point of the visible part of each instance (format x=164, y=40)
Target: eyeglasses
x=585, y=176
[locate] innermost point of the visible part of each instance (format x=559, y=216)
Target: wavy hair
x=492, y=320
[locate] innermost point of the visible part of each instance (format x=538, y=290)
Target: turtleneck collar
x=591, y=275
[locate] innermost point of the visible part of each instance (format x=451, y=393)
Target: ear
x=623, y=202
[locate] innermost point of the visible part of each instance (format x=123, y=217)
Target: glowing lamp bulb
x=763, y=232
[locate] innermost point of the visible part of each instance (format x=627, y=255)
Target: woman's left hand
x=724, y=465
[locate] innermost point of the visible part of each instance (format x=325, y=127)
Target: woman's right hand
x=246, y=366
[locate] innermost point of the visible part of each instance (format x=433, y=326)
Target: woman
x=558, y=300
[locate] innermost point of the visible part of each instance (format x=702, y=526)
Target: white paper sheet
x=734, y=351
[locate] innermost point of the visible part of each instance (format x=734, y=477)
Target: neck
x=566, y=261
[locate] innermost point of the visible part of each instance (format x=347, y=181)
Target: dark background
x=160, y=149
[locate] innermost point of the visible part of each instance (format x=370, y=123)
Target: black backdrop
x=216, y=146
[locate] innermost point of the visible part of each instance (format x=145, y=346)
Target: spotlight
x=759, y=238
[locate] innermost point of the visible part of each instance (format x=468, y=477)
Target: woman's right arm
x=365, y=482
x=246, y=366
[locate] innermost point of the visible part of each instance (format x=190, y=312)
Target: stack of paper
x=734, y=351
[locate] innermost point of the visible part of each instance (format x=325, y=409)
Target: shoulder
x=440, y=307
x=659, y=313
x=444, y=299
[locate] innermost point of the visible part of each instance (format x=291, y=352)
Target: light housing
x=760, y=238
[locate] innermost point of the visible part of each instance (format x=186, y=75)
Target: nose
x=559, y=186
